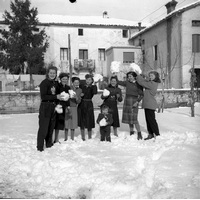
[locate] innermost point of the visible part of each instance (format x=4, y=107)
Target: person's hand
x=135, y=104
x=118, y=96
x=58, y=96
x=82, y=94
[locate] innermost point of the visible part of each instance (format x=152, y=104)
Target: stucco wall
x=28, y=102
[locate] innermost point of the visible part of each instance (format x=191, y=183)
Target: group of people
x=78, y=111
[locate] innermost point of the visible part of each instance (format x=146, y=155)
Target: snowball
x=98, y=77
x=103, y=122
x=115, y=65
x=72, y=93
x=136, y=68
x=58, y=108
x=65, y=96
x=106, y=92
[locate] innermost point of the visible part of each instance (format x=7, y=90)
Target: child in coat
x=105, y=120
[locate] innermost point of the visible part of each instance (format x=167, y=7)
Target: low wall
x=29, y=101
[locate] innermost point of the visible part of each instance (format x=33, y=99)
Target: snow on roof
x=182, y=9
x=86, y=20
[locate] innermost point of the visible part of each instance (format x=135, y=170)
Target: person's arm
x=98, y=119
x=44, y=92
x=143, y=82
x=140, y=93
x=78, y=97
x=122, y=83
x=110, y=119
x=119, y=95
x=94, y=89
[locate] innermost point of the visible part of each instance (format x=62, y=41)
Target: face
x=88, y=81
x=105, y=111
x=152, y=76
x=64, y=80
x=76, y=83
x=131, y=78
x=52, y=74
x=113, y=82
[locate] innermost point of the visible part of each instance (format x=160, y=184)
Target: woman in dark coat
x=47, y=115
x=112, y=100
x=60, y=117
x=134, y=94
x=86, y=109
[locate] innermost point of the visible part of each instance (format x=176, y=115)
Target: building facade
x=172, y=45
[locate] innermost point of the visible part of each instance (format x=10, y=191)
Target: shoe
x=40, y=150
x=139, y=136
x=149, y=137
x=132, y=132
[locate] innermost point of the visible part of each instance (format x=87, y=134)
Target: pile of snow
x=126, y=168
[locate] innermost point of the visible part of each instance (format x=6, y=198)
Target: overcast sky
x=135, y=10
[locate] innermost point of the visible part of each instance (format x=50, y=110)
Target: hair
x=157, y=76
x=62, y=74
x=75, y=79
x=132, y=73
x=113, y=77
x=51, y=68
x=89, y=76
x=104, y=106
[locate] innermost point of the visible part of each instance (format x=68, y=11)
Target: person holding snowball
x=86, y=119
x=62, y=105
x=111, y=96
x=105, y=120
x=47, y=116
x=134, y=94
x=71, y=117
x=149, y=102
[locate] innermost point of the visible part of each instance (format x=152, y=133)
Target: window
x=83, y=54
x=196, y=43
x=143, y=56
x=0, y=85
x=128, y=57
x=101, y=55
x=124, y=33
x=155, y=52
x=80, y=31
x=195, y=22
x=63, y=53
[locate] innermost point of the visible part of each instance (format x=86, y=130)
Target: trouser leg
x=152, y=123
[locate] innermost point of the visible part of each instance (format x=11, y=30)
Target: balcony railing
x=84, y=64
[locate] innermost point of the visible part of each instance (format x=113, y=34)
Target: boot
x=139, y=136
x=132, y=132
x=150, y=136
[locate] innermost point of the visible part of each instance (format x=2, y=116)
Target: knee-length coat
x=86, y=117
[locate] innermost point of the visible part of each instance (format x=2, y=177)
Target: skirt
x=130, y=114
x=71, y=118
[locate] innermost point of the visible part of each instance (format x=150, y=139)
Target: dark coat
x=86, y=109
x=111, y=101
x=60, y=117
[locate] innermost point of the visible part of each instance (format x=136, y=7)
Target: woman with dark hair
x=60, y=117
x=49, y=96
x=112, y=100
x=71, y=116
x=86, y=109
x=149, y=102
x=134, y=94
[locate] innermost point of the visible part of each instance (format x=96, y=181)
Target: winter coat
x=149, y=100
x=108, y=118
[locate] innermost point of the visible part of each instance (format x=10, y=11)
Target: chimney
x=105, y=14
x=171, y=6
x=139, y=26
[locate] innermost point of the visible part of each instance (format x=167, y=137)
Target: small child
x=105, y=120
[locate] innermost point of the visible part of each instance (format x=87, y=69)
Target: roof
x=171, y=14
x=82, y=20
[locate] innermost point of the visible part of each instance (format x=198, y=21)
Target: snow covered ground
x=123, y=169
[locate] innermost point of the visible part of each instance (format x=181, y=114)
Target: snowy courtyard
x=167, y=168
